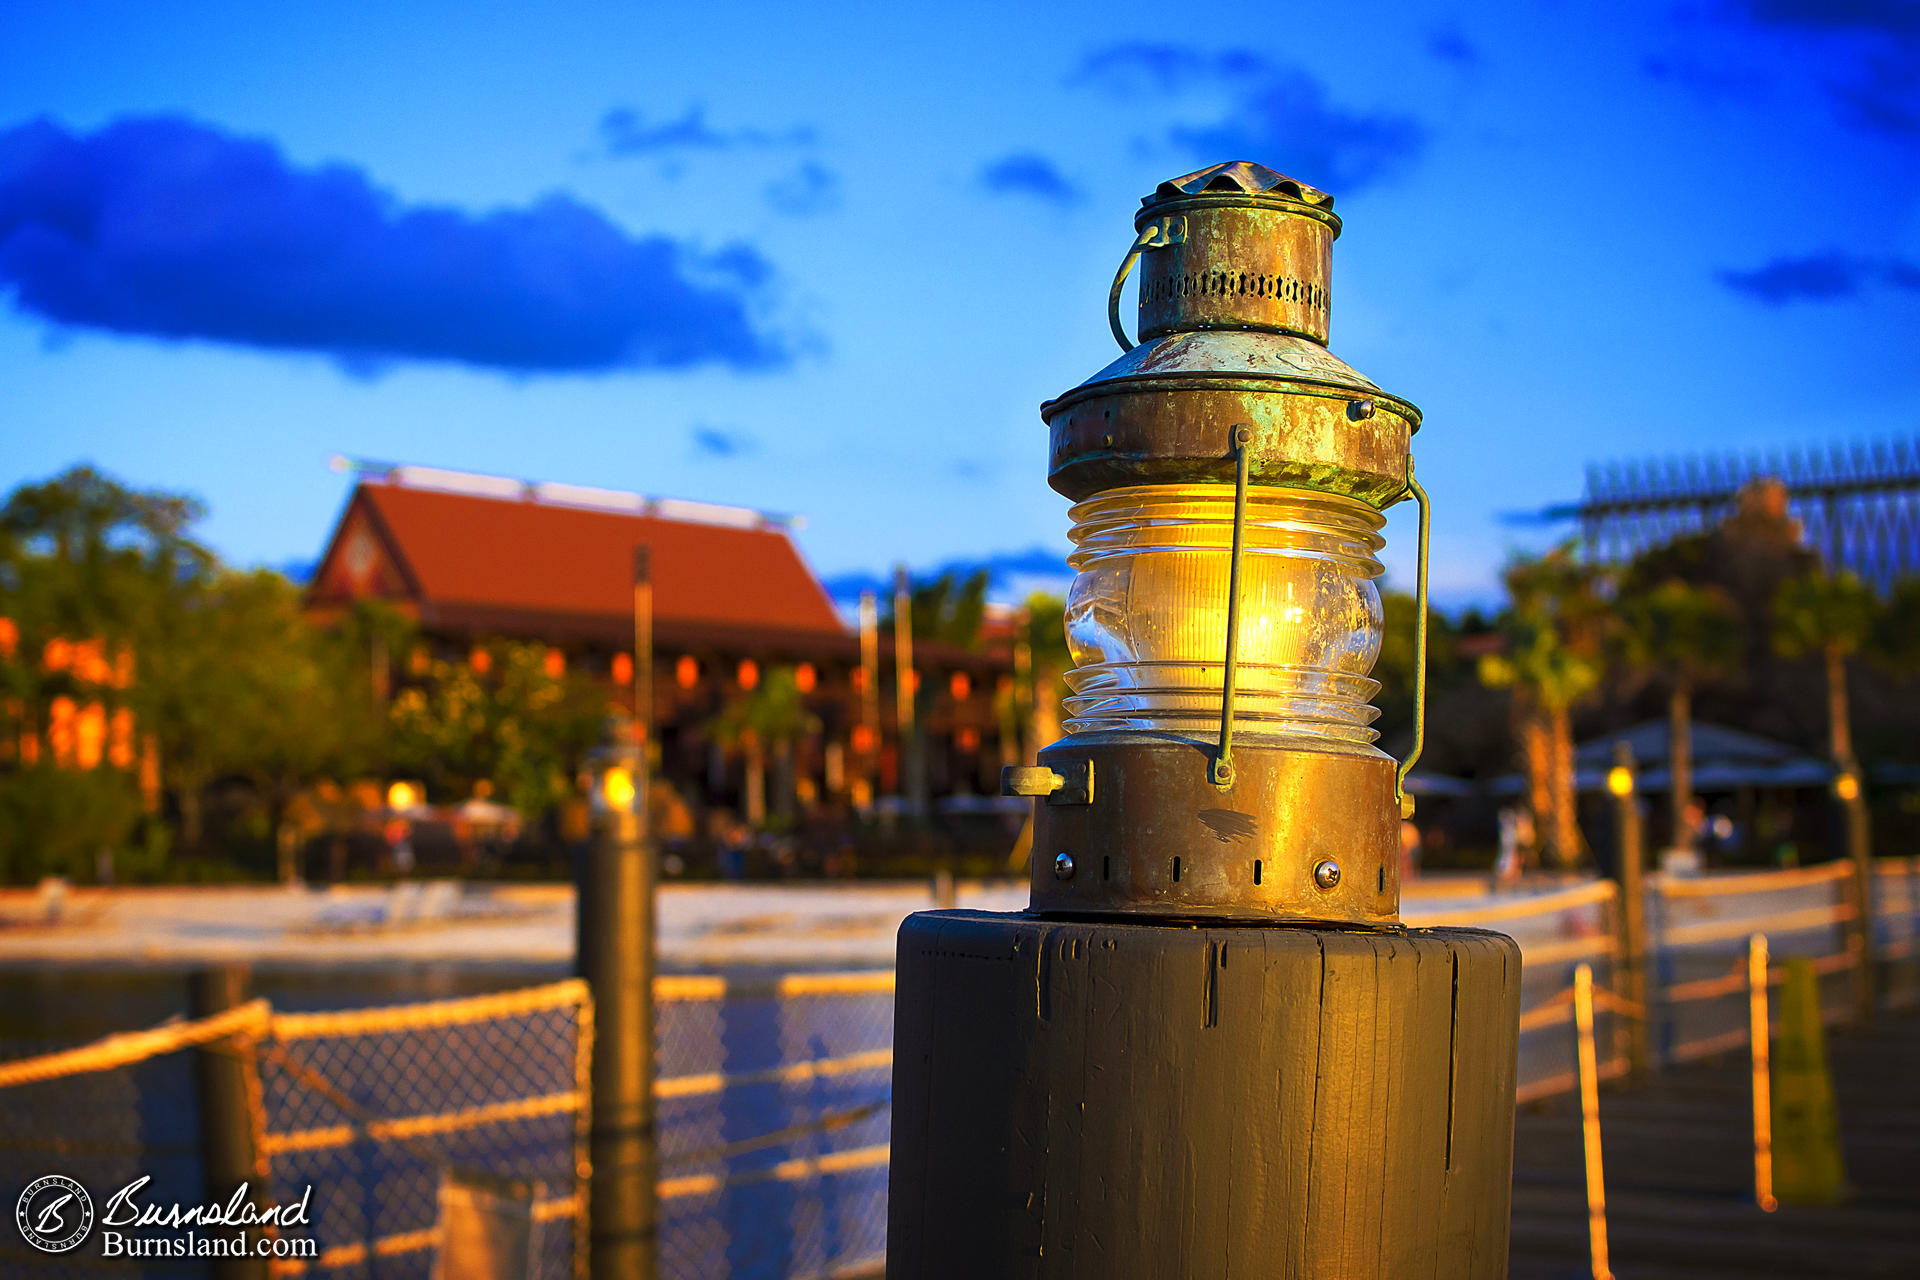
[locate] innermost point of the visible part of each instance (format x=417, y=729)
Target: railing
x=773, y=1090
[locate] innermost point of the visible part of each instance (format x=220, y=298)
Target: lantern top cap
x=1239, y=177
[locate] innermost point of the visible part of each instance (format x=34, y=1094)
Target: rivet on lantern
x=1063, y=866
x=1326, y=873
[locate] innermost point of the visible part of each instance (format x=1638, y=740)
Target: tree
x=1687, y=636
x=1553, y=632
x=773, y=714
x=235, y=682
x=91, y=571
x=1399, y=650
x=1896, y=635
x=1831, y=615
x=1044, y=629
x=504, y=717
x=947, y=610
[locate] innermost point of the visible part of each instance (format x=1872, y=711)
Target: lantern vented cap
x=1241, y=177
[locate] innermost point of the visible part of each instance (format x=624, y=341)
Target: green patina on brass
x=1233, y=317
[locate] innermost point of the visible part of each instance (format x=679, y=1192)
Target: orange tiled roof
x=480, y=557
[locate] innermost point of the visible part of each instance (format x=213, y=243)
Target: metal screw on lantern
x=1327, y=874
x=1063, y=866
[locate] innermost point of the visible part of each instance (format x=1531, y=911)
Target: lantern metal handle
x=1419, y=648
x=1157, y=234
x=1222, y=771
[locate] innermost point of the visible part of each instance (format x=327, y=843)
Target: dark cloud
x=1897, y=17
x=1277, y=115
x=1865, y=54
x=1450, y=44
x=810, y=189
x=625, y=132
x=1025, y=173
x=163, y=227
x=721, y=442
x=1820, y=277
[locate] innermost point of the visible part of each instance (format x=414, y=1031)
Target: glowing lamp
x=1230, y=479
x=616, y=788
x=402, y=796
x=1620, y=780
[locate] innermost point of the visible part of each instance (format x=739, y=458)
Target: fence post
x=1760, y=1032
x=1590, y=1122
x=227, y=1154
x=1853, y=808
x=1631, y=911
x=616, y=957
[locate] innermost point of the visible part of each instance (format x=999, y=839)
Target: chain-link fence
x=373, y=1109
x=772, y=1117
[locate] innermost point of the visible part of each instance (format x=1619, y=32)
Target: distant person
x=1516, y=838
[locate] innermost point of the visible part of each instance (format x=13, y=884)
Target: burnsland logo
x=55, y=1215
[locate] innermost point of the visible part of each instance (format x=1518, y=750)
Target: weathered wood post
x=1630, y=911
x=225, y=1092
x=1209, y=1047
x=615, y=954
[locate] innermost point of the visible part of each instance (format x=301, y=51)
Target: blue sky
x=830, y=262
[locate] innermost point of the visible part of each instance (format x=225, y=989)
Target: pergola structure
x=1859, y=504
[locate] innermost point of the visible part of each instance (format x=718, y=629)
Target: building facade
x=473, y=558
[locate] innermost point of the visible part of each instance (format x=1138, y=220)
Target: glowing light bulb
x=1147, y=614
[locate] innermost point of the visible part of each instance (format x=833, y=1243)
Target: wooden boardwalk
x=1679, y=1162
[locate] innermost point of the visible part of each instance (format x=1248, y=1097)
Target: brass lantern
x=1230, y=477
x=1209, y=1047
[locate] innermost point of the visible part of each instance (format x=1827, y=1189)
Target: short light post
x=1209, y=1048
x=1859, y=839
x=1629, y=859
x=615, y=954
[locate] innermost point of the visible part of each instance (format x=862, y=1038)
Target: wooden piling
x=227, y=1083
x=1120, y=1100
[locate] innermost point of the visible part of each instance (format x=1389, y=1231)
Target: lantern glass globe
x=1146, y=616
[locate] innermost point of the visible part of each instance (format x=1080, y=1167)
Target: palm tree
x=1688, y=635
x=1553, y=631
x=773, y=715
x=1896, y=639
x=1833, y=615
